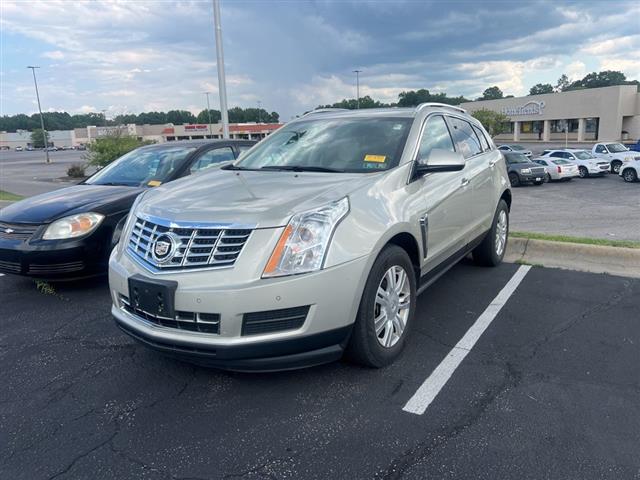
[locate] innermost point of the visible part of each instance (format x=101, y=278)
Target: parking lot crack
x=82, y=455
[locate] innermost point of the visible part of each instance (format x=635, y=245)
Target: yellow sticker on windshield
x=154, y=183
x=375, y=158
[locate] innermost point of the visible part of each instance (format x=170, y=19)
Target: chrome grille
x=197, y=246
x=537, y=170
x=17, y=231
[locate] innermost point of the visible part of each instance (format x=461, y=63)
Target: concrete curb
x=624, y=262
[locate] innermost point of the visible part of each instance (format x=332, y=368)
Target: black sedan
x=522, y=170
x=69, y=233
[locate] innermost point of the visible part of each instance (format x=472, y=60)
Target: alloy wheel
x=392, y=306
x=501, y=232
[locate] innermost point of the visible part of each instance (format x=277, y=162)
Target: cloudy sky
x=133, y=56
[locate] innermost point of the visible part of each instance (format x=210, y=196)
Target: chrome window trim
x=195, y=225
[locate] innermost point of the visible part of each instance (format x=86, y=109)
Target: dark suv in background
x=522, y=170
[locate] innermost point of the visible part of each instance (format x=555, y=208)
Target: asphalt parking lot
x=597, y=207
x=550, y=390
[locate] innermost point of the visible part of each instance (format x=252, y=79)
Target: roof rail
x=326, y=110
x=441, y=105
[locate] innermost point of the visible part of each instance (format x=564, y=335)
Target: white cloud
x=54, y=55
x=575, y=70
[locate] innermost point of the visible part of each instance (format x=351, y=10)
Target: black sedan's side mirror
x=440, y=161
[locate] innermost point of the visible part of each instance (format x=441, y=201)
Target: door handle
x=465, y=182
x=493, y=162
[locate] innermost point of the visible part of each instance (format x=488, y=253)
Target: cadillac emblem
x=165, y=247
x=9, y=230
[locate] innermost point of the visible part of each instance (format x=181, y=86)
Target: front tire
x=615, y=166
x=491, y=251
x=630, y=175
x=584, y=173
x=386, y=310
x=547, y=177
x=514, y=179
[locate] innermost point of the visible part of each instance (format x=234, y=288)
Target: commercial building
x=155, y=133
x=594, y=114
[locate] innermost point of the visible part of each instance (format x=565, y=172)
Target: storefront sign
x=529, y=108
x=195, y=127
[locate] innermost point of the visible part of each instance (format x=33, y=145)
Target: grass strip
x=583, y=240
x=9, y=197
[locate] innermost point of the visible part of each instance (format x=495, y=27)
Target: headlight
x=628, y=159
x=73, y=226
x=525, y=170
x=303, y=244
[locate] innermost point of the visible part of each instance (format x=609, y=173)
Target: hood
x=60, y=203
x=264, y=199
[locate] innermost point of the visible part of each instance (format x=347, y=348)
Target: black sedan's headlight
x=73, y=226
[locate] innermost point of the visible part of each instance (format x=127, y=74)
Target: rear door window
x=483, y=140
x=465, y=139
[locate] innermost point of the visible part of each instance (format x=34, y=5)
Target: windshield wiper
x=234, y=167
x=302, y=168
x=117, y=184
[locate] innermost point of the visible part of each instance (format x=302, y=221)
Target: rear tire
x=386, y=310
x=630, y=175
x=491, y=251
x=514, y=179
x=584, y=173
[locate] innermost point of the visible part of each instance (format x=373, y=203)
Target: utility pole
x=44, y=132
x=222, y=85
x=104, y=117
x=209, y=114
x=357, y=72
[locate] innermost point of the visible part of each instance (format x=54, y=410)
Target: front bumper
x=332, y=295
x=51, y=260
x=532, y=177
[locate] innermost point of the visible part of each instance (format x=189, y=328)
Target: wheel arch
x=409, y=244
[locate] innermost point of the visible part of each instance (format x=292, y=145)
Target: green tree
x=563, y=83
x=104, y=150
x=37, y=138
x=540, y=88
x=605, y=78
x=493, y=122
x=492, y=93
x=179, y=117
x=204, y=118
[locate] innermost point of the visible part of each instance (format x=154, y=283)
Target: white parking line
x=440, y=376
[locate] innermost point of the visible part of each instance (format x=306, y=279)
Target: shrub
x=104, y=150
x=77, y=170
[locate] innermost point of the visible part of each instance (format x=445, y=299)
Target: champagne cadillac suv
x=315, y=243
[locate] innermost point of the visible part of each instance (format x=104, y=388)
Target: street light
x=222, y=86
x=104, y=117
x=259, y=106
x=44, y=132
x=209, y=114
x=357, y=72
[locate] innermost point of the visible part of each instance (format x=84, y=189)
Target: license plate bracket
x=153, y=296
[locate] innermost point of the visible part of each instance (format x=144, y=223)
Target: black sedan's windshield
x=331, y=145
x=146, y=166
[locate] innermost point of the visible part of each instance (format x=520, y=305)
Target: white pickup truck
x=614, y=152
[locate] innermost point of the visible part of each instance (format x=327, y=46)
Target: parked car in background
x=588, y=165
x=630, y=170
x=522, y=170
x=315, y=243
x=635, y=147
x=52, y=149
x=82, y=146
x=615, y=153
x=558, y=168
x=19, y=148
x=70, y=232
x=515, y=149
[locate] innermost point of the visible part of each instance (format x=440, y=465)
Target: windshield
x=517, y=147
x=516, y=158
x=331, y=145
x=616, y=148
x=583, y=155
x=146, y=166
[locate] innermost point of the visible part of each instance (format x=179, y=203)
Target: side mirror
x=440, y=161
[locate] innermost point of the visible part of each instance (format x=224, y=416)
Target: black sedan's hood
x=50, y=206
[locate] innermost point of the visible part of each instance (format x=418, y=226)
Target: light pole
x=209, y=114
x=222, y=86
x=357, y=72
x=104, y=117
x=44, y=132
x=259, y=106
